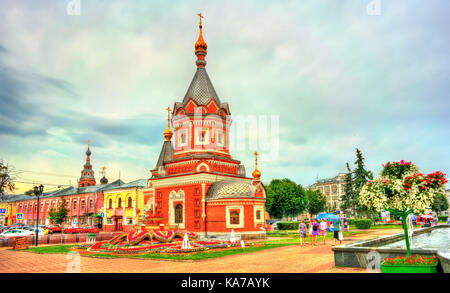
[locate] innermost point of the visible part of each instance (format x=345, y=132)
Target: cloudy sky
x=334, y=76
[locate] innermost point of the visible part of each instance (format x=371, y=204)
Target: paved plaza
x=289, y=259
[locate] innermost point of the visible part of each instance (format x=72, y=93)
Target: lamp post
x=38, y=192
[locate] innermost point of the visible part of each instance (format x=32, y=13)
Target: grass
x=51, y=249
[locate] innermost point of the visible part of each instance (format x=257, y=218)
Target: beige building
x=332, y=188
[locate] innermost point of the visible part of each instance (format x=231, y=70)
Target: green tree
x=360, y=178
x=284, y=198
x=348, y=200
x=316, y=202
x=58, y=216
x=440, y=203
x=6, y=179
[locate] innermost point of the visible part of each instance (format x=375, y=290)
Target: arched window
x=234, y=218
x=110, y=203
x=178, y=214
x=119, y=203
x=130, y=202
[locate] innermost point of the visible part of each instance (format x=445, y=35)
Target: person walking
x=311, y=223
x=323, y=230
x=302, y=231
x=315, y=230
x=337, y=230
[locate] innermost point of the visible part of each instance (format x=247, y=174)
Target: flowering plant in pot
x=410, y=264
x=401, y=189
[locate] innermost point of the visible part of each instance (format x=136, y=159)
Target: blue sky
x=336, y=78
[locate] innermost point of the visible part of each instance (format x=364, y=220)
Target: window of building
x=110, y=203
x=234, y=218
x=202, y=137
x=129, y=221
x=83, y=221
x=258, y=215
x=83, y=204
x=109, y=221
x=159, y=204
x=197, y=225
x=130, y=202
x=197, y=213
x=91, y=203
x=178, y=214
x=197, y=191
x=74, y=204
x=119, y=203
x=197, y=202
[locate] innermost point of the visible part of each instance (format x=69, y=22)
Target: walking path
x=289, y=259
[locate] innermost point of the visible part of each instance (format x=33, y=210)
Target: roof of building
x=166, y=153
x=135, y=183
x=231, y=189
x=201, y=89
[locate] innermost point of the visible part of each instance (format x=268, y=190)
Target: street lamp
x=38, y=192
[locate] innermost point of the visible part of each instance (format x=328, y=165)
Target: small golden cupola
x=200, y=46
x=256, y=174
x=168, y=132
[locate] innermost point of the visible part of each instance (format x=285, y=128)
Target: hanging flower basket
x=410, y=264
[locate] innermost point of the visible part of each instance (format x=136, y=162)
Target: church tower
x=87, y=174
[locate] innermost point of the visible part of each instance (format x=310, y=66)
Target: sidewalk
x=289, y=259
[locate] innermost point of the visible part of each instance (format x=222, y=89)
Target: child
x=302, y=232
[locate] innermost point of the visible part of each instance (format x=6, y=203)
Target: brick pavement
x=290, y=259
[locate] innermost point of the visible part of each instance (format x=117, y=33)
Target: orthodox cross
x=201, y=16
x=168, y=116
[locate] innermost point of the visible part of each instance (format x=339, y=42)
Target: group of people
x=317, y=228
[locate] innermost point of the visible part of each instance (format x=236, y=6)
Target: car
x=54, y=229
x=33, y=230
x=18, y=233
x=70, y=230
x=89, y=229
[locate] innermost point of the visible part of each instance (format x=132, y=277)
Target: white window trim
x=241, y=217
x=220, y=131
x=261, y=220
x=197, y=136
x=185, y=132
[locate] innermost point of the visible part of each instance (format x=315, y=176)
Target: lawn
x=192, y=256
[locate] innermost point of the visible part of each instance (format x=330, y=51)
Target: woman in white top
x=323, y=230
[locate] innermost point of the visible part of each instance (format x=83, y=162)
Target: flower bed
x=409, y=264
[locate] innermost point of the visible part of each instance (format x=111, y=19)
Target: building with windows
x=196, y=185
x=122, y=205
x=332, y=188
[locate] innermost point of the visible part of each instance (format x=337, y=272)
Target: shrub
x=363, y=223
x=288, y=225
x=351, y=221
x=442, y=218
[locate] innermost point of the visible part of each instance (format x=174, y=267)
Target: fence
x=59, y=238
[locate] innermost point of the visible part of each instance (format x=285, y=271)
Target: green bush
x=288, y=225
x=442, y=218
x=363, y=223
x=351, y=221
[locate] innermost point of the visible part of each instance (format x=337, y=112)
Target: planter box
x=409, y=269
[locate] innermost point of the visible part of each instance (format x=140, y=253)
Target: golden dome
x=200, y=45
x=168, y=132
x=256, y=174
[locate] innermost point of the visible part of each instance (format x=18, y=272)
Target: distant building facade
x=332, y=188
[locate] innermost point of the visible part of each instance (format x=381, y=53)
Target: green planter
x=409, y=269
